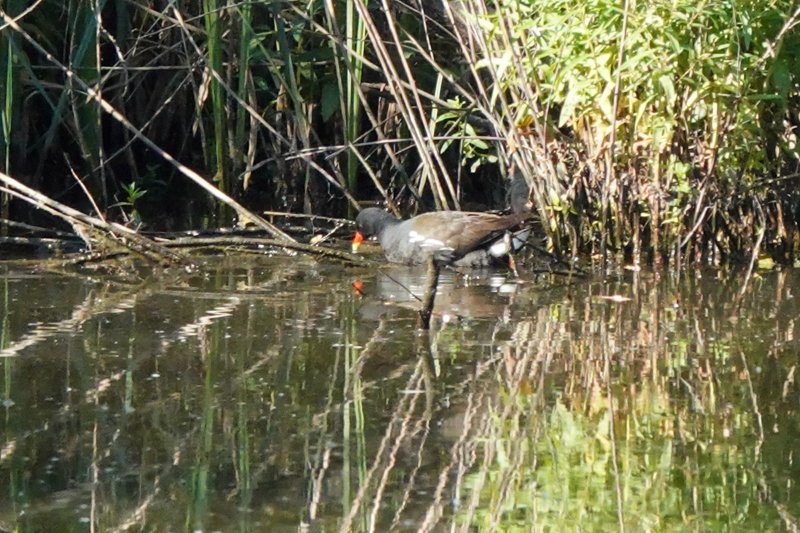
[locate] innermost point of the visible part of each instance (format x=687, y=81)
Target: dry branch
x=92, y=229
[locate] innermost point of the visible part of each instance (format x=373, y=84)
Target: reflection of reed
x=404, y=426
x=609, y=395
x=104, y=301
x=462, y=459
x=223, y=310
x=498, y=427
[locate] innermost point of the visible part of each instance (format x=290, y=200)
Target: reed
x=9, y=87
x=213, y=28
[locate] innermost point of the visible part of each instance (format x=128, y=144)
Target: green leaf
x=570, y=103
x=668, y=87
x=766, y=263
x=781, y=79
x=329, y=103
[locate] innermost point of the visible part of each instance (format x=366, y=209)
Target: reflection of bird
x=483, y=293
x=459, y=238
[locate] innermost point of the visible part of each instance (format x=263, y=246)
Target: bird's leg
x=512, y=263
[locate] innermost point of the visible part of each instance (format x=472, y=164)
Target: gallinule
x=459, y=238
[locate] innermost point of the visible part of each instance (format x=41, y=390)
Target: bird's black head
x=372, y=220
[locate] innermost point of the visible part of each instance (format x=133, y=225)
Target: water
x=272, y=394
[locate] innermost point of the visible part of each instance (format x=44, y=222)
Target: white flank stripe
x=432, y=243
x=499, y=248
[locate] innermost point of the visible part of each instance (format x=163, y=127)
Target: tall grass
x=10, y=89
x=211, y=18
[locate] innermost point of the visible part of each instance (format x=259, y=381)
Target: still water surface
x=268, y=394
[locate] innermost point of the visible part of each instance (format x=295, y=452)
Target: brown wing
x=465, y=231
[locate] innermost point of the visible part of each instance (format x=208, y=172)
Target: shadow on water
x=268, y=394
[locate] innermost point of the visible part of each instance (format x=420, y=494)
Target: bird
x=458, y=238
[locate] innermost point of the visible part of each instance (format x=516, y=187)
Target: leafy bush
x=672, y=106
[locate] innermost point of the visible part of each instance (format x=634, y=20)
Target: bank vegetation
x=661, y=131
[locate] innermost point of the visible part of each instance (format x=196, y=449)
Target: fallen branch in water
x=250, y=242
x=109, y=240
x=95, y=231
